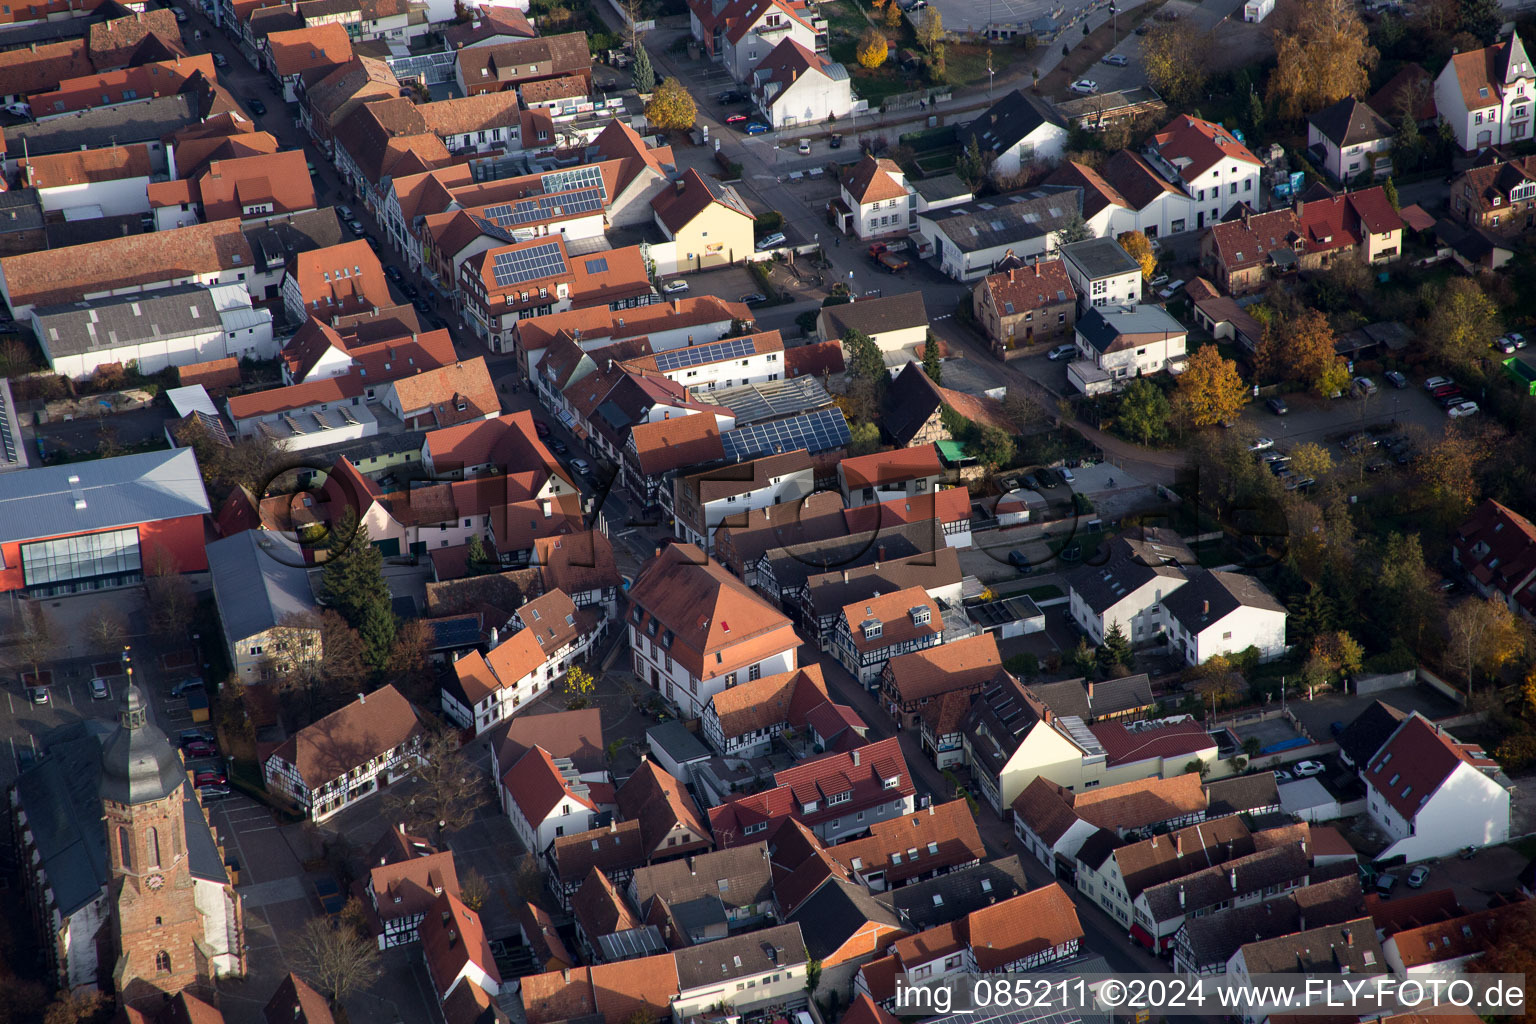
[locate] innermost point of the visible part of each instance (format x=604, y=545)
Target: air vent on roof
x=76, y=493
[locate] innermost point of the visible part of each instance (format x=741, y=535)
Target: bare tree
x=35, y=643
x=338, y=960
x=106, y=630
x=446, y=791
x=168, y=597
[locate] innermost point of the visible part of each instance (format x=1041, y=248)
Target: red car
x=541, y=428
x=210, y=779
x=735, y=118
x=201, y=749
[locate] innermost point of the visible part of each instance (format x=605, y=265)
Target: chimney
x=1299, y=207
x=1090, y=690
x=565, y=975
x=845, y=575
x=855, y=756
x=362, y=698
x=1010, y=275
x=1349, y=937
x=613, y=826
x=1205, y=607
x=1037, y=269
x=1181, y=897
x=1234, y=879
x=680, y=186
x=1178, y=844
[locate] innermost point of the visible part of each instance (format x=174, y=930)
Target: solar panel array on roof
x=678, y=358
x=574, y=178
x=524, y=211
x=529, y=264
x=598, y=266
x=7, y=442
x=817, y=431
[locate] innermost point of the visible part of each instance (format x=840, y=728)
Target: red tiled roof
x=940, y=837
x=297, y=396
x=676, y=443
x=897, y=466
x=451, y=938
x=344, y=739
x=558, y=996
x=1029, y=288
x=408, y=887
x=1176, y=740
x=820, y=359
x=537, y=787
x=874, y=180
x=1202, y=143
x=1418, y=759
x=760, y=703
x=300, y=49
x=1498, y=547
x=340, y=279
x=630, y=986
x=950, y=505
x=962, y=665
x=1022, y=926
x=893, y=612
x=440, y=392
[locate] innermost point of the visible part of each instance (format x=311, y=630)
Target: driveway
x=1317, y=716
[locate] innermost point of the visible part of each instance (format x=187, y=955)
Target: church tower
x=155, y=920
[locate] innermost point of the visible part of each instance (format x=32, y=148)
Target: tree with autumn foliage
x=1302, y=347
x=1210, y=389
x=1167, y=57
x=1447, y=472
x=1310, y=459
x=1484, y=636
x=872, y=49
x=1140, y=249
x=1324, y=56
x=1462, y=322
x=672, y=108
x=1512, y=950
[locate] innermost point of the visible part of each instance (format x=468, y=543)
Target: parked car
x=1396, y=379
x=213, y=792
x=1281, y=775
x=1066, y=476
x=541, y=428
x=220, y=61
x=675, y=287
x=1171, y=289
x=26, y=757
x=582, y=466
x=753, y=298
x=38, y=694
x=1061, y=352
x=1085, y=87
x=1018, y=560
x=731, y=96
x=1260, y=444
x=1278, y=406
x=1158, y=281
x=757, y=128
x=1116, y=60
x=835, y=142
x=559, y=446
x=772, y=241
x=202, y=748
x=210, y=778
x=356, y=227
x=1307, y=769
x=1385, y=884
x=195, y=736
x=1461, y=409
x=345, y=212
x=1516, y=338
x=394, y=273
x=256, y=106
x=1365, y=385
x=735, y=118
x=189, y=683
x=181, y=16
x=1437, y=382
x=100, y=690
x=1504, y=345
x=804, y=148
x=1418, y=876
x=1445, y=391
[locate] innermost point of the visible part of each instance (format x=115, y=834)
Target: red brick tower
x=156, y=923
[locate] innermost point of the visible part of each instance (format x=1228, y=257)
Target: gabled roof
x=577, y=563
x=1241, y=793
x=785, y=64
x=1050, y=809
x=453, y=394
x=740, y=956
x=298, y=50
x=899, y=615
x=1211, y=596
x=882, y=468
x=910, y=401
x=537, y=787
x=1466, y=936
x=1199, y=145
x=1043, y=284
x=955, y=894
x=366, y=728
x=946, y=505
x=1163, y=740
x=575, y=735
x=1418, y=759
x=1090, y=700
x=599, y=908
x=836, y=912
x=962, y=665
x=1350, y=122
x=658, y=801
x=876, y=316
x=488, y=22
x=737, y=877
x=1010, y=121
x=124, y=263
x=451, y=938
x=761, y=703
x=296, y=1002
x=339, y=279
x=618, y=847
x=692, y=194
x=1411, y=90
x=409, y=887
x=1213, y=938
x=874, y=179
x=1133, y=178
x=1498, y=547
x=1161, y=858
x=1365, y=735
x=1351, y=944
x=1014, y=929
x=1482, y=75
x=939, y=837
x=715, y=623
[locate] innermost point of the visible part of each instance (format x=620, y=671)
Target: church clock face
x=154, y=881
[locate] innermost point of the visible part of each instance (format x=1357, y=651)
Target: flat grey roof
x=91, y=325
x=1100, y=258
x=80, y=497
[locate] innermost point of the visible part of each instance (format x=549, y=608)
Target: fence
x=909, y=100
x=1439, y=685
x=1366, y=685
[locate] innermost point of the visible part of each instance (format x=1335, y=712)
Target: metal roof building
x=82, y=497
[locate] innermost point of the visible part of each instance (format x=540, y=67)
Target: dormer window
x=892, y=782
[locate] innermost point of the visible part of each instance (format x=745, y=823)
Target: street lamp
x=1114, y=18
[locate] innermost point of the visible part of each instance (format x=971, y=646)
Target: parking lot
x=1317, y=716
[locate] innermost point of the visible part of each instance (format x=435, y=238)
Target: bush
x=768, y=223
x=1398, y=658
x=806, y=321
x=1026, y=664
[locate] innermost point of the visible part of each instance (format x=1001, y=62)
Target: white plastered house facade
x=1488, y=109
